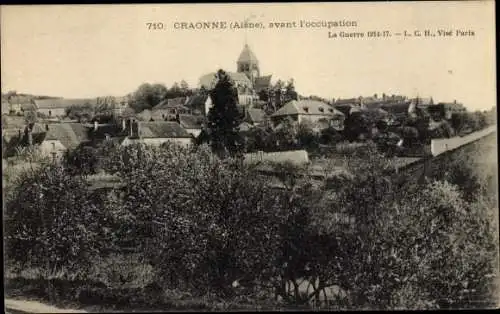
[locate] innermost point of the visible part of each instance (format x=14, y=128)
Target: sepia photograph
x=249, y=157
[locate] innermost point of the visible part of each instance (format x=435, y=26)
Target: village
x=128, y=202
x=55, y=125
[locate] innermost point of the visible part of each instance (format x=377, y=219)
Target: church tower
x=247, y=63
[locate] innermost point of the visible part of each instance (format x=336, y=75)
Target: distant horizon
x=379, y=96
x=89, y=51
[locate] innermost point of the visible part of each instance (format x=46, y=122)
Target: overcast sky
x=96, y=50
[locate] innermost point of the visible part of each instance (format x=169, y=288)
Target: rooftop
x=69, y=134
x=307, y=107
x=188, y=121
x=63, y=102
x=247, y=55
x=162, y=129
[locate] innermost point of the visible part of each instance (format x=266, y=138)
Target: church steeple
x=247, y=63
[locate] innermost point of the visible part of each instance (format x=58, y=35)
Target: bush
x=52, y=223
x=206, y=216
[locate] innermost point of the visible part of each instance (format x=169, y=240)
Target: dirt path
x=13, y=306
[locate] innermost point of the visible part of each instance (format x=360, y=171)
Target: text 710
x=155, y=26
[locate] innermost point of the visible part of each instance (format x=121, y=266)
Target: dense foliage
x=207, y=225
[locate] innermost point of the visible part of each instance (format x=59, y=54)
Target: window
x=306, y=109
x=53, y=146
x=331, y=110
x=50, y=113
x=321, y=109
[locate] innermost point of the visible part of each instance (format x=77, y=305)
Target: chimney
x=96, y=125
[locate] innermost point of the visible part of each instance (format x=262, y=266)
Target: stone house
x=156, y=133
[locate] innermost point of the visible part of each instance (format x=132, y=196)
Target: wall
x=157, y=141
x=441, y=145
x=194, y=132
x=294, y=156
x=313, y=117
x=55, y=112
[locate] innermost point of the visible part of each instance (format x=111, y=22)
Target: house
x=60, y=137
x=56, y=107
x=169, y=109
x=199, y=103
x=423, y=102
x=191, y=123
x=254, y=116
x=5, y=106
x=307, y=109
x=445, y=110
x=345, y=105
x=19, y=103
x=98, y=132
x=156, y=133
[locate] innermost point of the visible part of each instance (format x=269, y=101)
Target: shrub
x=52, y=223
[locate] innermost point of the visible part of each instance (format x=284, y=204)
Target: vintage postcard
x=265, y=156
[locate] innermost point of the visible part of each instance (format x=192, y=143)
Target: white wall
x=194, y=132
x=294, y=156
x=441, y=145
x=157, y=141
x=313, y=117
x=55, y=112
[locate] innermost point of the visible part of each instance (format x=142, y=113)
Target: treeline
x=213, y=227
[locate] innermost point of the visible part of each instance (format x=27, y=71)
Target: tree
x=185, y=90
x=290, y=93
x=224, y=116
x=82, y=113
x=306, y=136
x=277, y=91
x=147, y=96
x=30, y=116
x=51, y=216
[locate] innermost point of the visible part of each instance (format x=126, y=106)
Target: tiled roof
x=345, y=101
x=397, y=108
x=256, y=115
x=171, y=103
x=69, y=134
x=162, y=129
x=209, y=80
x=307, y=106
x=247, y=55
x=197, y=100
x=63, y=102
x=188, y=121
